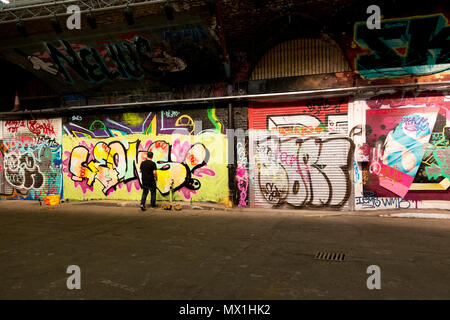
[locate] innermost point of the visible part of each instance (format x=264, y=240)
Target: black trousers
x=145, y=190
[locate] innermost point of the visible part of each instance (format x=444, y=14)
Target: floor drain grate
x=330, y=256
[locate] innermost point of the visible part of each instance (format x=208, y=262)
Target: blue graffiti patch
x=412, y=46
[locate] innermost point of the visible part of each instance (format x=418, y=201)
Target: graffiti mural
x=157, y=122
x=302, y=172
x=123, y=60
x=400, y=151
x=102, y=157
x=146, y=60
x=116, y=164
x=408, y=148
x=242, y=175
x=433, y=171
x=319, y=116
x=442, y=165
x=30, y=159
x=301, y=153
x=412, y=46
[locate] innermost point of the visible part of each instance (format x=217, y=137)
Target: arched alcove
x=300, y=57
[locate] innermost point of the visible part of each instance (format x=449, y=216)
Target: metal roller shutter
x=299, y=160
x=31, y=158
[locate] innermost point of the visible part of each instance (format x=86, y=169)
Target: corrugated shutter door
x=298, y=162
x=32, y=158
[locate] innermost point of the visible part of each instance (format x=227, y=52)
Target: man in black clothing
x=149, y=178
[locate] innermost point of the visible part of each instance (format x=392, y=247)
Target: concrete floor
x=212, y=254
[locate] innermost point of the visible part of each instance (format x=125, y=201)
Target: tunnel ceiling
x=194, y=47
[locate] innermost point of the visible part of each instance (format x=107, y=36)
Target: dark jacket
x=147, y=168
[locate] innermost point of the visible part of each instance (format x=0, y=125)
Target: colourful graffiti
x=119, y=162
x=394, y=100
x=129, y=60
x=30, y=159
x=408, y=156
x=102, y=156
x=21, y=171
x=242, y=176
x=301, y=130
x=303, y=172
x=315, y=117
x=356, y=174
x=410, y=46
x=402, y=147
x=300, y=153
x=442, y=168
x=159, y=122
x=37, y=127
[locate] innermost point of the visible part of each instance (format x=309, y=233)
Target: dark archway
x=33, y=92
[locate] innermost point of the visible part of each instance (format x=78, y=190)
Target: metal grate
x=330, y=256
x=299, y=57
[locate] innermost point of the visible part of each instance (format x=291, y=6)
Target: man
x=149, y=178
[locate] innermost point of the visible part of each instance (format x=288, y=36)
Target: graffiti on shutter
x=30, y=158
x=301, y=153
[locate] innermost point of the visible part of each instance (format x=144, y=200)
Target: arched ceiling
x=196, y=47
x=152, y=52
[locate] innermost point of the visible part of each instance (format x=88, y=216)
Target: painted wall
x=411, y=46
x=408, y=163
x=242, y=172
x=102, y=155
x=30, y=159
x=382, y=152
x=147, y=56
x=301, y=154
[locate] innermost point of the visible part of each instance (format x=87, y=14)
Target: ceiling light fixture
x=21, y=29
x=90, y=18
x=128, y=14
x=169, y=11
x=55, y=25
x=212, y=6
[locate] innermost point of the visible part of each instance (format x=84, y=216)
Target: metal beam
x=45, y=10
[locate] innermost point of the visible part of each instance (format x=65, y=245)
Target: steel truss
x=44, y=10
